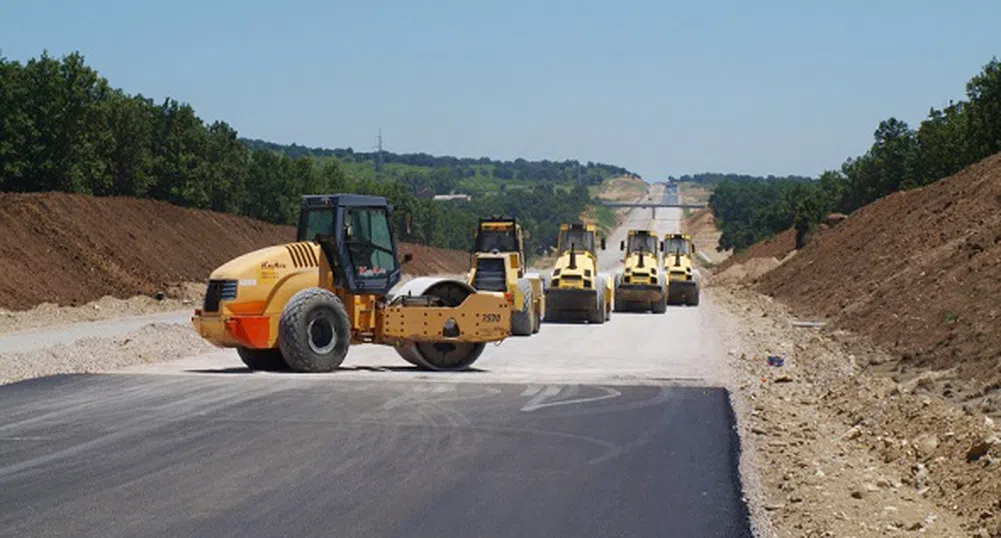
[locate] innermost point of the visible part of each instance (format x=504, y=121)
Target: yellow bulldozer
x=641, y=285
x=683, y=280
x=576, y=292
x=499, y=265
x=299, y=306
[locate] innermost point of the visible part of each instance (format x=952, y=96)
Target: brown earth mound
x=777, y=247
x=701, y=225
x=70, y=249
x=919, y=273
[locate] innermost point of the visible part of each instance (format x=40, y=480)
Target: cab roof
x=643, y=232
x=579, y=226
x=319, y=201
x=498, y=219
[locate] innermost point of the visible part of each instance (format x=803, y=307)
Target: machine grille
x=490, y=275
x=302, y=255
x=218, y=290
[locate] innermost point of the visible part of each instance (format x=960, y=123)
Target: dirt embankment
x=701, y=225
x=918, y=272
x=842, y=452
x=879, y=423
x=693, y=193
x=777, y=247
x=69, y=249
x=621, y=189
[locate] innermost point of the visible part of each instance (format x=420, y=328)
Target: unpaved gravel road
x=680, y=346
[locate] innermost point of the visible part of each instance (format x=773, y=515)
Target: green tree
x=129, y=154
x=984, y=92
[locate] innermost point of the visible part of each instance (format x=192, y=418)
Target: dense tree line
x=589, y=173
x=900, y=158
x=63, y=128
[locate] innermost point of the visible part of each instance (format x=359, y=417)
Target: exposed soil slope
x=70, y=249
x=918, y=272
x=621, y=189
x=701, y=224
x=777, y=247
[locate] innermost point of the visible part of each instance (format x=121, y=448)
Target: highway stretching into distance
x=621, y=429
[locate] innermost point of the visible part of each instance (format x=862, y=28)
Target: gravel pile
x=152, y=343
x=49, y=315
x=841, y=448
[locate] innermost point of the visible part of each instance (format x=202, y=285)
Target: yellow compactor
x=576, y=292
x=499, y=265
x=641, y=285
x=683, y=279
x=299, y=306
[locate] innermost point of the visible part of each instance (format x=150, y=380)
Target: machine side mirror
x=622, y=245
x=693, y=248
x=602, y=243
x=407, y=258
x=662, y=246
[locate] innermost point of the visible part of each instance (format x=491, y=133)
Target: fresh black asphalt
x=155, y=455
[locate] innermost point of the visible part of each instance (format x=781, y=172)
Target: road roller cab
x=498, y=264
x=299, y=306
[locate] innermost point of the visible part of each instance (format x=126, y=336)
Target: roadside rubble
x=842, y=451
x=48, y=315
x=152, y=343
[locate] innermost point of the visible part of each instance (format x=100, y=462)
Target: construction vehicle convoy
x=641, y=285
x=683, y=280
x=499, y=265
x=299, y=306
x=576, y=292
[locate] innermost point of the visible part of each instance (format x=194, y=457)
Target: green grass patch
x=608, y=220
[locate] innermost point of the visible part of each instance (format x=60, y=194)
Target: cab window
x=369, y=242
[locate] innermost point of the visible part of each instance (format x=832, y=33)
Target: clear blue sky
x=660, y=87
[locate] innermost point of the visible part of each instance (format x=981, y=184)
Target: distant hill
x=712, y=178
x=463, y=173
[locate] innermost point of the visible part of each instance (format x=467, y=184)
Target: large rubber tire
x=695, y=299
x=606, y=301
x=522, y=321
x=659, y=307
x=600, y=313
x=314, y=331
x=265, y=360
x=617, y=304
